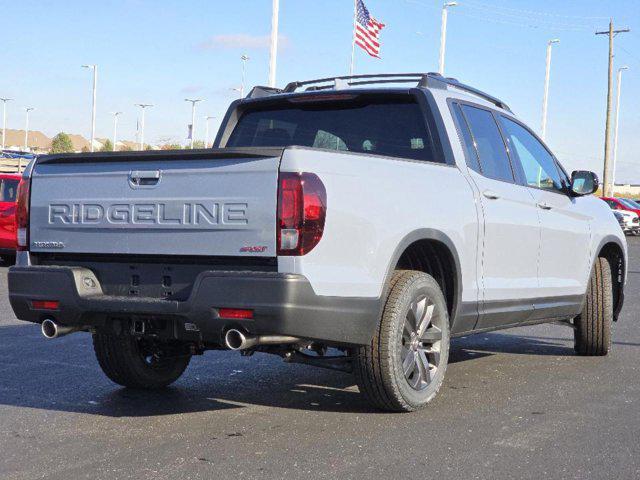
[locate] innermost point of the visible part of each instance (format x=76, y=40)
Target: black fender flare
x=426, y=234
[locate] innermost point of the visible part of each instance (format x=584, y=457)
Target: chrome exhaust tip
x=235, y=339
x=50, y=329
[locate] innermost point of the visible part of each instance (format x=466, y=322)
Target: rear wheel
x=593, y=327
x=404, y=366
x=137, y=362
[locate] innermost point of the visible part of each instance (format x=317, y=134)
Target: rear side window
x=8, y=190
x=395, y=128
x=467, y=141
x=488, y=143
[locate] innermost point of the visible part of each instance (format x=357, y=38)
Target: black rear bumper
x=282, y=304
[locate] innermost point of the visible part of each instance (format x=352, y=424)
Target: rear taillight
x=22, y=214
x=302, y=208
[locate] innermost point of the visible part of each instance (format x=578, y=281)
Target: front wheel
x=404, y=366
x=592, y=332
x=138, y=362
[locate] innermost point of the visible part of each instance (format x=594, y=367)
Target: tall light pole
x=244, y=59
x=93, y=105
x=273, y=53
x=545, y=97
x=143, y=106
x=115, y=128
x=4, y=119
x=611, y=33
x=193, y=117
x=615, y=129
x=443, y=34
x=206, y=130
x=26, y=128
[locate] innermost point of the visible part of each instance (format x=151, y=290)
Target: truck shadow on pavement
x=63, y=375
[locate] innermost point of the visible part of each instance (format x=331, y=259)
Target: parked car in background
x=621, y=204
x=620, y=218
x=629, y=221
x=635, y=203
x=8, y=193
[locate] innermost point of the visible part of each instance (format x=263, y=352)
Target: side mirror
x=583, y=182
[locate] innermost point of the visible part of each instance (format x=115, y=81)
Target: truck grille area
x=163, y=277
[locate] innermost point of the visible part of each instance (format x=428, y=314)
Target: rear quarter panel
x=373, y=204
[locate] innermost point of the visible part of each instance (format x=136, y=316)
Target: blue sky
x=161, y=51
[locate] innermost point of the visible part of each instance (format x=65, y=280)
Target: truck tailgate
x=206, y=202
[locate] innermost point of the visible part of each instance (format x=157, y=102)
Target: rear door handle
x=544, y=206
x=491, y=195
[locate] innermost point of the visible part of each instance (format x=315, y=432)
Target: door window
x=328, y=141
x=539, y=166
x=488, y=143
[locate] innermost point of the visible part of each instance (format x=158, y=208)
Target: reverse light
x=235, y=313
x=302, y=208
x=45, y=304
x=22, y=214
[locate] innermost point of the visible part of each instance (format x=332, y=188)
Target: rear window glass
x=393, y=128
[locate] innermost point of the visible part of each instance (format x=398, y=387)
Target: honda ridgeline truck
x=375, y=216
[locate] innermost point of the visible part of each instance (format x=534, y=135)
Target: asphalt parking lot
x=515, y=404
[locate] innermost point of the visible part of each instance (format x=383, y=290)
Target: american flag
x=367, y=30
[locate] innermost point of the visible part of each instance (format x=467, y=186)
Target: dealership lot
x=515, y=404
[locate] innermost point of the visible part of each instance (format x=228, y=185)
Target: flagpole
x=353, y=39
x=273, y=53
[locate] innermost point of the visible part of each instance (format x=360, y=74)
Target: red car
x=621, y=204
x=8, y=189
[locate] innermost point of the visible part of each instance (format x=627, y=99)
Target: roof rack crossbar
x=423, y=80
x=363, y=82
x=399, y=77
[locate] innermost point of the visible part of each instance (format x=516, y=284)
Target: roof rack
x=422, y=80
x=262, y=91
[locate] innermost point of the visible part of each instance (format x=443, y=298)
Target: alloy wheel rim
x=421, y=343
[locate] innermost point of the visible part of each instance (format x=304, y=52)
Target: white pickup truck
x=378, y=216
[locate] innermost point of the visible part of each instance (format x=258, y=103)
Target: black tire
x=381, y=367
x=593, y=327
x=133, y=362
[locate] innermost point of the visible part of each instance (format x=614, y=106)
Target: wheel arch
x=444, y=267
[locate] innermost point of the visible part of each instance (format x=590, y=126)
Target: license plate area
x=153, y=277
